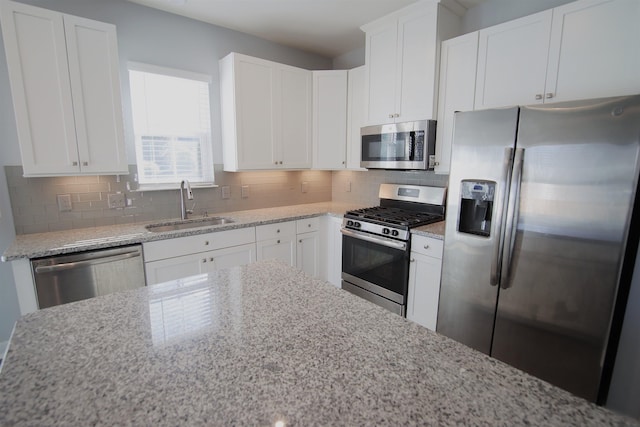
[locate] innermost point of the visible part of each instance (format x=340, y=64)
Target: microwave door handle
x=412, y=146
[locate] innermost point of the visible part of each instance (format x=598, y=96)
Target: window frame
x=178, y=73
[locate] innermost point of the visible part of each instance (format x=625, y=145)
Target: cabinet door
x=329, y=119
x=457, y=90
x=39, y=77
x=417, y=58
x=231, y=257
x=424, y=290
x=333, y=250
x=594, y=50
x=283, y=248
x=512, y=62
x=308, y=253
x=293, y=122
x=92, y=52
x=355, y=115
x=175, y=268
x=254, y=99
x=381, y=73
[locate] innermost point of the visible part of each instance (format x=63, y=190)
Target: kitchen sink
x=182, y=225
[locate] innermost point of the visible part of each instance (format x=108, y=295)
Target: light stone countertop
x=258, y=344
x=435, y=230
x=83, y=239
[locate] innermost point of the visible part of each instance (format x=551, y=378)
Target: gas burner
x=395, y=216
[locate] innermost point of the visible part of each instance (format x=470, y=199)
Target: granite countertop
x=255, y=345
x=60, y=242
x=435, y=230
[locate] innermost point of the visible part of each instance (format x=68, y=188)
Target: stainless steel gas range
x=376, y=242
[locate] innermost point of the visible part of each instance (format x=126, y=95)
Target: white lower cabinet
x=424, y=280
x=277, y=241
x=332, y=250
x=308, y=246
x=186, y=256
x=203, y=262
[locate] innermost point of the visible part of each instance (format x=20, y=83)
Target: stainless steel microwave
x=403, y=146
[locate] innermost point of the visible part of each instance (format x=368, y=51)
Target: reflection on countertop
x=258, y=344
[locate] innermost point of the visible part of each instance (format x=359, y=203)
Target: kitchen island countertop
x=255, y=345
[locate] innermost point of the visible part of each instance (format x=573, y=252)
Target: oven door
x=376, y=268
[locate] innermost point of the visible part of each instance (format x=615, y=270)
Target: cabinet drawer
x=273, y=231
x=427, y=246
x=307, y=225
x=199, y=243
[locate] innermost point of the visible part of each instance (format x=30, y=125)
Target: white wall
x=144, y=35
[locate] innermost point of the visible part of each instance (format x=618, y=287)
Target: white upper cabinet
x=355, y=116
x=401, y=55
x=266, y=114
x=457, y=90
x=329, y=119
x=512, y=62
x=63, y=72
x=594, y=50
x=585, y=49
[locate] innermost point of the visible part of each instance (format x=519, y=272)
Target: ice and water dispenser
x=476, y=207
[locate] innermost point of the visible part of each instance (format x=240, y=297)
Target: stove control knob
x=395, y=233
x=349, y=223
x=385, y=231
x=356, y=224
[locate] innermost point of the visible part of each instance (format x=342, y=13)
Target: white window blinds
x=172, y=125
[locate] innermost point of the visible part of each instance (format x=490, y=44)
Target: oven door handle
x=395, y=244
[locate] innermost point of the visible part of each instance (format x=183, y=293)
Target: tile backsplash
x=362, y=187
x=35, y=205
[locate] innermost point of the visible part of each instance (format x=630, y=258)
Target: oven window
x=377, y=264
x=386, y=147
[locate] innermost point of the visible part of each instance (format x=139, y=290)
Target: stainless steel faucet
x=184, y=212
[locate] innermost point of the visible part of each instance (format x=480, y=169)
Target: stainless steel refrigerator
x=539, y=237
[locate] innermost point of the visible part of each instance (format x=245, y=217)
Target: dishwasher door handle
x=69, y=265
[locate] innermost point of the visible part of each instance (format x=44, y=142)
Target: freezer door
x=481, y=166
x=579, y=175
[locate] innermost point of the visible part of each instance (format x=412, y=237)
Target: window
x=171, y=125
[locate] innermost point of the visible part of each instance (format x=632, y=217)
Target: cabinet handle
x=426, y=246
x=300, y=241
x=549, y=95
x=211, y=259
x=206, y=243
x=309, y=225
x=204, y=260
x=278, y=242
x=538, y=96
x=74, y=163
x=280, y=161
x=278, y=230
x=396, y=115
x=413, y=260
x=391, y=116
x=276, y=162
x=85, y=163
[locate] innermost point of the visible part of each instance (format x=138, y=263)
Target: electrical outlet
x=117, y=200
x=226, y=192
x=304, y=187
x=244, y=191
x=64, y=202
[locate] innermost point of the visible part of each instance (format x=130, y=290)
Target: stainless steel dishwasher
x=67, y=278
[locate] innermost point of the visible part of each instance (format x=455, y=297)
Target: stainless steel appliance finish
x=376, y=242
x=403, y=146
x=67, y=278
x=538, y=216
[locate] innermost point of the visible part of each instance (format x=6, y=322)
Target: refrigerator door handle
x=513, y=212
x=500, y=215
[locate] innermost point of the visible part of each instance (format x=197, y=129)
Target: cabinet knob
x=391, y=116
x=85, y=163
x=74, y=163
x=204, y=260
x=206, y=243
x=280, y=161
x=309, y=225
x=278, y=242
x=538, y=96
x=549, y=95
x=211, y=259
x=300, y=241
x=343, y=162
x=276, y=162
x=426, y=246
x=413, y=260
x=396, y=115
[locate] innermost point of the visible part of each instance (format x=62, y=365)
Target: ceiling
x=325, y=27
